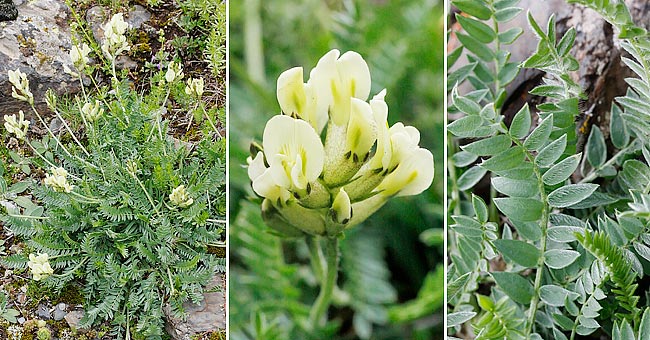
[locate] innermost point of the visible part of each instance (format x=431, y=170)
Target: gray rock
x=60, y=312
x=43, y=312
x=125, y=62
x=7, y=10
x=97, y=16
x=208, y=316
x=37, y=43
x=73, y=318
x=137, y=16
x=9, y=205
x=21, y=320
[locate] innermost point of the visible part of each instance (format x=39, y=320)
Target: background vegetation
x=388, y=286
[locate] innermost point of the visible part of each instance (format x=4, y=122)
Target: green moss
x=219, y=335
x=219, y=251
x=71, y=295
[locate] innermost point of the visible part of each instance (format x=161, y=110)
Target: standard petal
x=310, y=148
x=317, y=112
x=291, y=92
x=354, y=74
x=362, y=129
x=277, y=134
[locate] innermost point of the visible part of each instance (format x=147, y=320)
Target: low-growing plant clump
x=124, y=209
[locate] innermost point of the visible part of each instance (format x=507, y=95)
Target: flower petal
x=362, y=129
x=412, y=176
x=342, y=207
x=291, y=92
x=256, y=166
x=354, y=74
x=284, y=135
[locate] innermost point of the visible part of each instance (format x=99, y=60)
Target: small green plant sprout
x=8, y=314
x=315, y=189
x=43, y=334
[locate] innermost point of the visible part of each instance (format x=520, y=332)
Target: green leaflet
x=561, y=171
x=516, y=187
x=560, y=258
x=571, y=194
x=539, y=136
x=515, y=286
x=521, y=209
x=522, y=253
x=521, y=123
x=596, y=148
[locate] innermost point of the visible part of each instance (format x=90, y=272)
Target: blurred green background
x=389, y=285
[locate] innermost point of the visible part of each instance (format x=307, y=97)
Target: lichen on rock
x=8, y=11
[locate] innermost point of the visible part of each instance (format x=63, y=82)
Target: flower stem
x=328, y=282
x=316, y=256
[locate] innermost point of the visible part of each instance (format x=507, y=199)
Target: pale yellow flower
x=79, y=56
x=40, y=266
x=20, y=89
x=180, y=197
x=93, y=111
x=57, y=180
x=17, y=126
x=194, y=87
x=174, y=71
x=114, y=38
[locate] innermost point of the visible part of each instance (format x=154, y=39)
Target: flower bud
x=276, y=221
x=341, y=208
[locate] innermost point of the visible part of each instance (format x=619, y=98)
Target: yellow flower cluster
x=321, y=188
